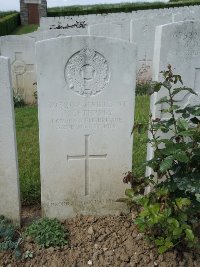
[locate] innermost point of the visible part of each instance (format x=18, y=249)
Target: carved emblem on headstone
x=19, y=67
x=87, y=72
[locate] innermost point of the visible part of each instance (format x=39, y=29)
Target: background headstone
x=86, y=109
x=21, y=51
x=143, y=34
x=177, y=44
x=114, y=30
x=9, y=180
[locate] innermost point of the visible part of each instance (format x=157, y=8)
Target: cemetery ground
x=93, y=241
x=23, y=29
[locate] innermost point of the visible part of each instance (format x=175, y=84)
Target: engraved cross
x=87, y=158
x=145, y=60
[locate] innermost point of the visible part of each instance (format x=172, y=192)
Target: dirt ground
x=99, y=241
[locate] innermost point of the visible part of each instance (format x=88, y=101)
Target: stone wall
x=42, y=9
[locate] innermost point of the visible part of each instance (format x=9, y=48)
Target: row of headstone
x=140, y=30
x=86, y=108
x=79, y=21
x=84, y=111
x=21, y=51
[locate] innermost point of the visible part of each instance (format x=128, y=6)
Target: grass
x=28, y=153
x=28, y=148
x=25, y=29
x=142, y=107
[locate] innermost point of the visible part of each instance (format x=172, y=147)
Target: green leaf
x=162, y=249
x=181, y=156
x=182, y=124
x=166, y=164
x=189, y=235
x=182, y=202
x=188, y=133
x=177, y=232
x=173, y=221
x=162, y=100
x=197, y=197
x=177, y=78
x=129, y=193
x=180, y=89
x=156, y=86
x=160, y=241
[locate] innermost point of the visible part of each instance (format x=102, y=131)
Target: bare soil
x=98, y=241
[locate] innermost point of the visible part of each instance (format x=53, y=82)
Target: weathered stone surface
x=85, y=121
x=21, y=51
x=9, y=180
x=114, y=30
x=178, y=44
x=143, y=34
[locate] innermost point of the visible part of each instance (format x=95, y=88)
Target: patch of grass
x=28, y=153
x=142, y=89
x=25, y=29
x=140, y=139
x=28, y=147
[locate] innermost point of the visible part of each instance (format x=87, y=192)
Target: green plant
x=170, y=213
x=48, y=233
x=10, y=238
x=28, y=254
x=142, y=89
x=9, y=23
x=18, y=100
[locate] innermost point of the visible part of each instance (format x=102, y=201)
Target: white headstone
x=177, y=44
x=143, y=34
x=86, y=102
x=114, y=30
x=187, y=15
x=9, y=179
x=21, y=51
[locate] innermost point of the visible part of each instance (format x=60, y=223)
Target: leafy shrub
x=10, y=239
x=18, y=100
x=9, y=23
x=6, y=13
x=169, y=214
x=47, y=233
